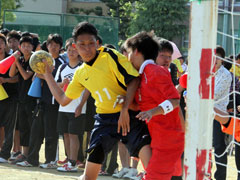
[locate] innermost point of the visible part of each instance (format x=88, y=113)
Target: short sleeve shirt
x=106, y=78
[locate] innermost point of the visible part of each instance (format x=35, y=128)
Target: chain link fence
x=46, y=23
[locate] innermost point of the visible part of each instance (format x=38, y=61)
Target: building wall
x=45, y=6
x=87, y=5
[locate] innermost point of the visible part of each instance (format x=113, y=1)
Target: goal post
x=200, y=97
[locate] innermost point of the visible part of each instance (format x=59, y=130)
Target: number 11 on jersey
x=106, y=92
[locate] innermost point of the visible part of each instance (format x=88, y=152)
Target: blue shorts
x=105, y=133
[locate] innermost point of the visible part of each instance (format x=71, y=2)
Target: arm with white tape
x=164, y=108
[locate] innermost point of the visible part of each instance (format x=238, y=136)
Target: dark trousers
x=25, y=113
x=237, y=159
x=80, y=150
x=8, y=108
x=50, y=117
x=219, y=147
x=44, y=126
x=36, y=137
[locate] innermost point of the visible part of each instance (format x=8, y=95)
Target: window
x=237, y=2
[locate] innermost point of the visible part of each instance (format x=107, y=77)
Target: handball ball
x=36, y=61
x=183, y=80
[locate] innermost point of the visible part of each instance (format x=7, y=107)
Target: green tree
x=121, y=9
x=9, y=4
x=166, y=17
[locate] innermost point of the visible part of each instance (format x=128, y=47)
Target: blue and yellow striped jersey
x=105, y=77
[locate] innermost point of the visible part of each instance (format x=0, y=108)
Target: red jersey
x=156, y=86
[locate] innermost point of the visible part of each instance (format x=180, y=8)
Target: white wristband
x=167, y=106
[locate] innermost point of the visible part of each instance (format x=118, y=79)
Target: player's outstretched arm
x=163, y=108
x=220, y=116
x=56, y=91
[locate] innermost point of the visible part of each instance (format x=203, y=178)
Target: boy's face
x=164, y=58
x=218, y=61
x=72, y=53
x=26, y=48
x=86, y=45
x=2, y=46
x=135, y=58
x=13, y=43
x=53, y=48
x=181, y=61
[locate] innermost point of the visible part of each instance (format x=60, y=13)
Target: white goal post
x=199, y=117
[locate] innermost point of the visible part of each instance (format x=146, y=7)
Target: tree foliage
x=121, y=9
x=166, y=17
x=9, y=4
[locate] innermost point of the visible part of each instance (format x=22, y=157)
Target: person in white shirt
x=71, y=125
x=223, y=81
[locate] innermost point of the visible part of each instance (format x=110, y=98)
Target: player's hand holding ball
x=41, y=62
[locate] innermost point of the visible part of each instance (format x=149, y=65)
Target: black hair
x=44, y=46
x=13, y=34
x=110, y=46
x=4, y=31
x=68, y=43
x=165, y=45
x=145, y=43
x=238, y=56
x=2, y=36
x=227, y=65
x=26, y=33
x=36, y=42
x=220, y=51
x=84, y=28
x=26, y=39
x=56, y=38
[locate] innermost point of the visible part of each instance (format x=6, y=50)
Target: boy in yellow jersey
x=106, y=74
x=236, y=71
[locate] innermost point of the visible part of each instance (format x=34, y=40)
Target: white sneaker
x=121, y=173
x=24, y=164
x=67, y=167
x=131, y=173
x=51, y=165
x=2, y=160
x=138, y=177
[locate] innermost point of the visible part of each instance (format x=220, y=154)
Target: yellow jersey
x=106, y=77
x=179, y=66
x=237, y=71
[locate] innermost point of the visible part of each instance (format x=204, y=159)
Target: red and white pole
x=200, y=87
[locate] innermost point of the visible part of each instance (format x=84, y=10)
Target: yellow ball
x=36, y=63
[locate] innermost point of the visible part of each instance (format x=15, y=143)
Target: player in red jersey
x=158, y=100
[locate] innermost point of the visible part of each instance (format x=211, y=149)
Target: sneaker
x=131, y=173
x=67, y=167
x=103, y=173
x=140, y=176
x=121, y=173
x=14, y=155
x=24, y=164
x=61, y=163
x=19, y=158
x=2, y=160
x=51, y=165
